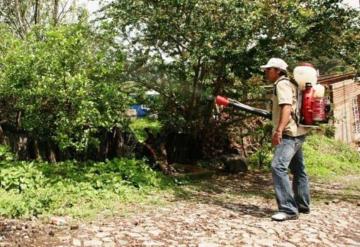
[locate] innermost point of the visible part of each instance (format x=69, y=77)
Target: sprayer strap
x=295, y=115
x=287, y=79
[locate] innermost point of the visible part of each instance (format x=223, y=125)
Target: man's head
x=274, y=68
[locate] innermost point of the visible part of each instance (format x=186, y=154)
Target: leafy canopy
x=189, y=49
x=62, y=83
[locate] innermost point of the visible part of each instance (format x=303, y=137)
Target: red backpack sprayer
x=312, y=105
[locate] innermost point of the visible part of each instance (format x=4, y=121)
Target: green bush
x=139, y=125
x=262, y=156
x=77, y=189
x=5, y=154
x=21, y=177
x=66, y=83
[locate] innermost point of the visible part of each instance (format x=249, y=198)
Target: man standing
x=287, y=138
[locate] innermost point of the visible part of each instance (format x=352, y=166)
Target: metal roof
x=330, y=79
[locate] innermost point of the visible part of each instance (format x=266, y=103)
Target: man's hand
x=276, y=138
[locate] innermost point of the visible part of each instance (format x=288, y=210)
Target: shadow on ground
x=252, y=192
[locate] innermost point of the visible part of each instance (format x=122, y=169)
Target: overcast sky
x=353, y=3
x=93, y=5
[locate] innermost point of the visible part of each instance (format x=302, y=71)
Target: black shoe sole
x=304, y=211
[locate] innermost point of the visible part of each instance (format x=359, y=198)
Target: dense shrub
x=62, y=84
x=74, y=188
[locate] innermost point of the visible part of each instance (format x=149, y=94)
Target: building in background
x=345, y=98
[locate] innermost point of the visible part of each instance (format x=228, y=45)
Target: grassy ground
x=327, y=158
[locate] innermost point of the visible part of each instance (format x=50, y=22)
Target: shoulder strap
x=295, y=115
x=283, y=79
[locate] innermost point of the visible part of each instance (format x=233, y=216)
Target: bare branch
x=63, y=11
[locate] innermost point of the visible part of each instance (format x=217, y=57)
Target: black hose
x=250, y=109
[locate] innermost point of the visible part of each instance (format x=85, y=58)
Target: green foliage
x=139, y=125
x=327, y=129
x=78, y=189
x=190, y=49
x=262, y=156
x=21, y=177
x=64, y=83
x=326, y=157
x=22, y=16
x=5, y=154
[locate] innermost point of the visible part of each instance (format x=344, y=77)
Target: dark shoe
x=304, y=210
x=281, y=216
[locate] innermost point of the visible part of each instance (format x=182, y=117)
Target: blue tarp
x=141, y=111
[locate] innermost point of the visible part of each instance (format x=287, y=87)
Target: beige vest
x=286, y=93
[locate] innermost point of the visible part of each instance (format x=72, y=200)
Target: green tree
x=185, y=49
x=21, y=16
x=190, y=49
x=62, y=84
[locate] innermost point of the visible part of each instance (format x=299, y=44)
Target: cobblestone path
x=226, y=211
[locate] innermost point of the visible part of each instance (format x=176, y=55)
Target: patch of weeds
x=75, y=189
x=261, y=159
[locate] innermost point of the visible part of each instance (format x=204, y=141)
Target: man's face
x=272, y=74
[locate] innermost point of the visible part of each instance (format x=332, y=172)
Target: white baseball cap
x=275, y=63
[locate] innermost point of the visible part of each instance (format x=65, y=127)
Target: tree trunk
x=20, y=18
x=35, y=150
x=37, y=12
x=55, y=12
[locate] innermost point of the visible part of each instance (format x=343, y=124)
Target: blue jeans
x=288, y=154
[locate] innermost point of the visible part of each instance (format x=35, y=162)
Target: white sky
x=93, y=5
x=353, y=3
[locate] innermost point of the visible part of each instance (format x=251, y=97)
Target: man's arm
x=285, y=115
